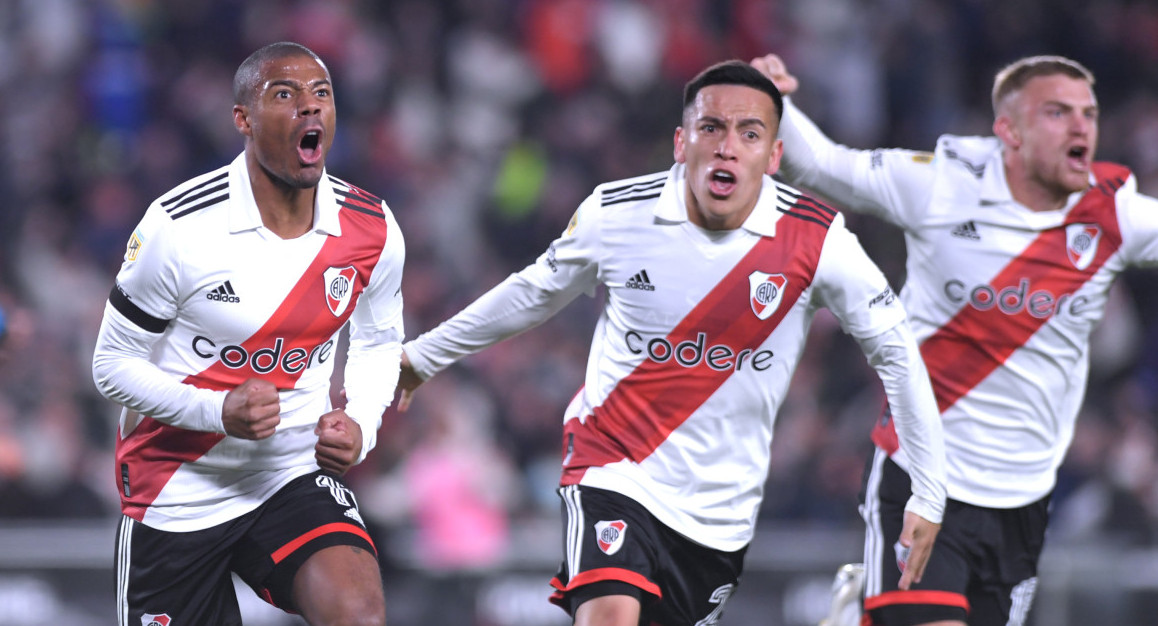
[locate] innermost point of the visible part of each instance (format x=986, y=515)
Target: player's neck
x=1032, y=193
x=287, y=212
x=288, y=222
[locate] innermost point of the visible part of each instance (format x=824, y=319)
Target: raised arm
x=892, y=184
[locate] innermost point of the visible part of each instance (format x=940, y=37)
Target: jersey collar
x=994, y=188
x=243, y=213
x=670, y=206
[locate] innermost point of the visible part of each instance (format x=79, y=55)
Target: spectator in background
x=46, y=459
x=460, y=485
x=457, y=484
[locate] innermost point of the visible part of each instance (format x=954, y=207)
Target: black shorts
x=983, y=569
x=185, y=577
x=614, y=546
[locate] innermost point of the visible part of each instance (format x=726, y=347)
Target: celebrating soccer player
x=219, y=339
x=713, y=274
x=1013, y=243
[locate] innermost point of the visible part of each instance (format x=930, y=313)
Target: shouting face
x=1050, y=132
x=289, y=121
x=728, y=142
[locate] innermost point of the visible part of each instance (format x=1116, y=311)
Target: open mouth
x=721, y=182
x=1078, y=156
x=310, y=147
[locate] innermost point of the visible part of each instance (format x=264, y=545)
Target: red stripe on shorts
x=941, y=598
x=281, y=553
x=600, y=575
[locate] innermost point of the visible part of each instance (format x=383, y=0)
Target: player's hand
x=339, y=442
x=917, y=536
x=408, y=381
x=772, y=66
x=251, y=410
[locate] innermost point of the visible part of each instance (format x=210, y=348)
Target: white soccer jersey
x=1002, y=298
x=207, y=298
x=695, y=347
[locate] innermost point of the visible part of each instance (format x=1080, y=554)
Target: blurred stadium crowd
x=484, y=123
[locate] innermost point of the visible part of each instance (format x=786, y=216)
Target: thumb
x=907, y=536
x=325, y=422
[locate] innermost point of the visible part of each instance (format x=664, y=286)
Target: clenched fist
x=252, y=410
x=339, y=442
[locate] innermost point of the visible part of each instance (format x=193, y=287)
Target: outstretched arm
x=524, y=300
x=513, y=306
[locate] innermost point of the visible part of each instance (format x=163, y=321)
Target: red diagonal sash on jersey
x=655, y=398
x=974, y=343
x=154, y=451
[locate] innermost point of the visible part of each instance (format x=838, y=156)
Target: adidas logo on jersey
x=640, y=281
x=966, y=230
x=223, y=293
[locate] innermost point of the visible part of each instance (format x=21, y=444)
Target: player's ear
x=1007, y=131
x=678, y=150
x=774, y=157
x=241, y=119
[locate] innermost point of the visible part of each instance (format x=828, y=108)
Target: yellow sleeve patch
x=134, y=247
x=923, y=157
x=573, y=223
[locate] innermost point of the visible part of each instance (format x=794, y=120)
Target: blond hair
x=1013, y=77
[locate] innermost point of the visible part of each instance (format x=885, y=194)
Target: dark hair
x=734, y=72
x=248, y=75
x=1013, y=77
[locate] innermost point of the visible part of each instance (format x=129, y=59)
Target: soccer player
x=219, y=340
x=713, y=273
x=1013, y=242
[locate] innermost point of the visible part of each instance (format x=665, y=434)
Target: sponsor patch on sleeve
x=885, y=298
x=134, y=246
x=923, y=157
x=550, y=258
x=573, y=223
